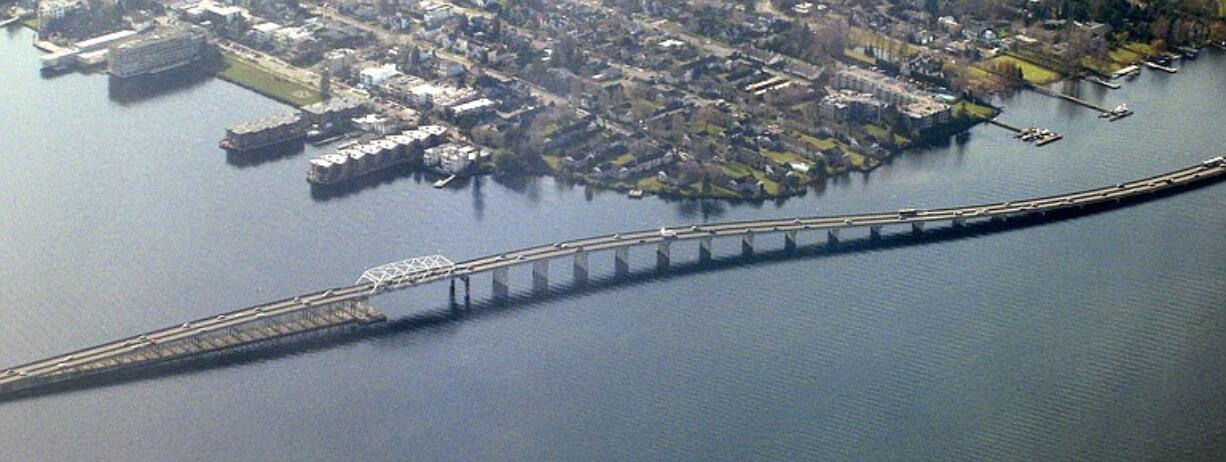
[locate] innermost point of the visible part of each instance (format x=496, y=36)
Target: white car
x=668, y=233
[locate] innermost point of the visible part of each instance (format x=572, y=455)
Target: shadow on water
x=264, y=155
x=50, y=73
x=453, y=314
x=325, y=193
x=137, y=89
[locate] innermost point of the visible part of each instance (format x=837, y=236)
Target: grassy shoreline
x=252, y=77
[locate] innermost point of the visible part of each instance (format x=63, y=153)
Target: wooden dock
x=1004, y=125
x=1071, y=99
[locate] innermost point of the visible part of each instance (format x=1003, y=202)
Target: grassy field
x=867, y=38
x=861, y=57
x=265, y=83
x=974, y=110
x=819, y=143
x=1033, y=73
x=1120, y=57
x=31, y=23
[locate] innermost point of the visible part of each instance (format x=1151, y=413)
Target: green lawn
x=31, y=22
x=264, y=82
x=864, y=37
x=861, y=57
x=1033, y=73
x=877, y=131
x=553, y=161
x=819, y=143
x=974, y=110
x=623, y=160
x=784, y=157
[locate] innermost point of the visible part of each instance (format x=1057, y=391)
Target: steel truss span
x=398, y=271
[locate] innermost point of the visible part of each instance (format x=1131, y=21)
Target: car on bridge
x=668, y=234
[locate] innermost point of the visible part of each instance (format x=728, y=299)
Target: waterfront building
x=333, y=110
x=264, y=132
x=453, y=158
x=919, y=111
x=846, y=105
x=157, y=52
x=51, y=10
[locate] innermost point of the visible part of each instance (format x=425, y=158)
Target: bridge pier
x=621, y=261
x=467, y=292
x=917, y=227
x=874, y=232
x=540, y=275
x=832, y=236
x=704, y=249
x=789, y=241
x=501, y=289
x=581, y=267
x=747, y=244
x=663, y=256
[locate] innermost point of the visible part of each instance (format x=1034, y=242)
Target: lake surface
x=1101, y=337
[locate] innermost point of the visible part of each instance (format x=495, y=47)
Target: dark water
x=1100, y=338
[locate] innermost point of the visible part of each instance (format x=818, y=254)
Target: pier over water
x=347, y=306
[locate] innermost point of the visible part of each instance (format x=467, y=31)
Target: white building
x=376, y=76
x=57, y=9
x=290, y=37
x=341, y=59
x=453, y=158
x=264, y=32
x=436, y=12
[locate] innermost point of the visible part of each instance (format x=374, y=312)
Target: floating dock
x=1125, y=71
x=1101, y=82
x=444, y=182
x=1156, y=66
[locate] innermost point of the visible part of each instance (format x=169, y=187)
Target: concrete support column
x=747, y=244
x=917, y=227
x=581, y=267
x=453, y=291
x=467, y=291
x=540, y=275
x=621, y=261
x=832, y=236
x=501, y=289
x=704, y=249
x=789, y=241
x=663, y=255
x=874, y=232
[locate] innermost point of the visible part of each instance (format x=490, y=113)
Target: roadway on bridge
x=88, y=359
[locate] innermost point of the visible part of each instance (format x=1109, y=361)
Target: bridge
x=347, y=307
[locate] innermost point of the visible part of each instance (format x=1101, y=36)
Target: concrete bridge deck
x=346, y=305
